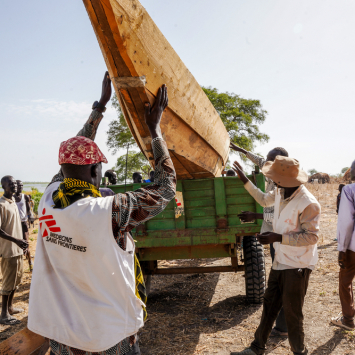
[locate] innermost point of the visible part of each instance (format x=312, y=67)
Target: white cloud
x=39, y=127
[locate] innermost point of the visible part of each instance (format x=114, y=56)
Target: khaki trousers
x=12, y=271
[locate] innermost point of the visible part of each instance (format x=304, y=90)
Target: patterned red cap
x=80, y=151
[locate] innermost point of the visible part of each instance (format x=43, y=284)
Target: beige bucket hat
x=285, y=172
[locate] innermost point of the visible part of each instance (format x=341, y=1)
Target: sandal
x=9, y=321
x=338, y=321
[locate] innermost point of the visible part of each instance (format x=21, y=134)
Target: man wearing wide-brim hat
x=295, y=236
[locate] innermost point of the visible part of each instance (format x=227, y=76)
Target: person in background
x=230, y=172
x=151, y=177
x=267, y=216
x=295, y=235
x=340, y=188
x=112, y=176
x=346, y=257
x=23, y=205
x=12, y=246
x=31, y=216
x=95, y=252
x=137, y=178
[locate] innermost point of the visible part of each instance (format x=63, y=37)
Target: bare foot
x=15, y=310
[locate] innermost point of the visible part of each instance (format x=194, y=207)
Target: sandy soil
x=208, y=314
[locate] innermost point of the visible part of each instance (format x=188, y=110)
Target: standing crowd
x=86, y=263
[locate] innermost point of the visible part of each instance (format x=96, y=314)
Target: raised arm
x=145, y=203
x=90, y=127
x=263, y=199
x=259, y=161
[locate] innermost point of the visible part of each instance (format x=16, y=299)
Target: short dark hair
x=136, y=174
x=4, y=179
x=282, y=151
x=109, y=173
x=152, y=172
x=341, y=186
x=230, y=172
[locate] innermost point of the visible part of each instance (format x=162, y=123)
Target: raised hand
x=237, y=148
x=239, y=170
x=153, y=114
x=106, y=89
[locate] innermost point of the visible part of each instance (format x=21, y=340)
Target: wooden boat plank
x=23, y=342
x=133, y=46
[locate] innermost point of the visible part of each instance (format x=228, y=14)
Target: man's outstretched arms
x=139, y=206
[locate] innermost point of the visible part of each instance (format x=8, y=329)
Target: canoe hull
x=133, y=47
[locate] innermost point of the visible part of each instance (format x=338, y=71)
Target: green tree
x=36, y=196
x=118, y=137
x=241, y=117
x=343, y=171
x=312, y=171
x=118, y=134
x=136, y=162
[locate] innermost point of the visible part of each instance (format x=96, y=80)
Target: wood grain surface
x=133, y=46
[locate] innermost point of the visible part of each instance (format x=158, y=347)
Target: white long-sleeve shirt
x=309, y=218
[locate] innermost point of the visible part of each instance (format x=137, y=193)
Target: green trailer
x=202, y=222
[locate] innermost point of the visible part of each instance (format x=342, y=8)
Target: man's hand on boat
x=106, y=90
x=269, y=237
x=239, y=170
x=153, y=114
x=237, y=148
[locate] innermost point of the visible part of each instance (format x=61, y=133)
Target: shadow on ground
x=179, y=312
x=328, y=347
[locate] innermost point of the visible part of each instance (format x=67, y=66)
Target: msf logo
x=47, y=222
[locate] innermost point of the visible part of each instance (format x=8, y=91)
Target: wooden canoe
x=140, y=60
x=24, y=342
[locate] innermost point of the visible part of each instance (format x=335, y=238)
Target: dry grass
x=208, y=314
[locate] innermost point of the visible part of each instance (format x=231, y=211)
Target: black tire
x=255, y=276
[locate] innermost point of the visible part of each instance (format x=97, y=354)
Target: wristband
x=98, y=105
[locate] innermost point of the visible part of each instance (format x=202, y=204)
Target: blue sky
x=297, y=57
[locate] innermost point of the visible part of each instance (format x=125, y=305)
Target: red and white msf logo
x=48, y=222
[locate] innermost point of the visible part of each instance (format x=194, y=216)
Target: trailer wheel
x=254, y=261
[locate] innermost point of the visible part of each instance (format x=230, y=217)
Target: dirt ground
x=208, y=314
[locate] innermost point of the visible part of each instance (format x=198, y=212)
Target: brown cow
x=321, y=177
x=347, y=177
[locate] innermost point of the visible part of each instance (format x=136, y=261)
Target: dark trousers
x=285, y=288
x=280, y=320
x=346, y=277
